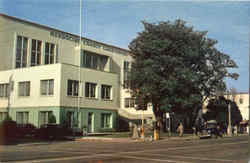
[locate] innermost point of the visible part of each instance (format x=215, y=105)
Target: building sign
x=86, y=42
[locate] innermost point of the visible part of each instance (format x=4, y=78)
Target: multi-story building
x=79, y=81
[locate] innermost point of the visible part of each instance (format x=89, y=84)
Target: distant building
x=242, y=101
x=50, y=73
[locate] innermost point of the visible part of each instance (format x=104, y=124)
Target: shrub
x=8, y=130
x=26, y=130
x=52, y=118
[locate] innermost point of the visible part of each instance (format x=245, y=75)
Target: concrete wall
x=6, y=44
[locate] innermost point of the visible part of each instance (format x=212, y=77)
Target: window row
x=4, y=90
x=129, y=103
x=94, y=61
x=40, y=51
x=91, y=90
x=22, y=118
x=126, y=74
x=46, y=88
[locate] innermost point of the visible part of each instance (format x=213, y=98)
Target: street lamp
x=229, y=127
x=79, y=68
x=142, y=125
x=9, y=90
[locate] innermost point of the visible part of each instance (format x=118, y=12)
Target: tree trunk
x=158, y=124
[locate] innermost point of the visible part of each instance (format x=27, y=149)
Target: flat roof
x=54, y=29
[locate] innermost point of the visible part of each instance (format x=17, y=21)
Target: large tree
x=176, y=68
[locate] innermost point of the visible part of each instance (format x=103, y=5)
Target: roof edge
x=58, y=30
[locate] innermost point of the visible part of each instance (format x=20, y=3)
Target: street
x=228, y=149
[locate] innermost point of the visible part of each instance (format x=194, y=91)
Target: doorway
x=90, y=122
x=70, y=119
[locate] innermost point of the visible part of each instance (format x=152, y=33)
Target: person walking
x=180, y=129
x=236, y=130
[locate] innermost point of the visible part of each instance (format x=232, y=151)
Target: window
x=129, y=102
x=47, y=87
x=106, y=92
x=3, y=116
x=106, y=120
x=241, y=100
x=49, y=53
x=4, y=90
x=44, y=117
x=73, y=87
x=24, y=88
x=22, y=117
x=102, y=62
x=126, y=73
x=36, y=52
x=21, y=51
x=90, y=90
x=126, y=65
x=94, y=61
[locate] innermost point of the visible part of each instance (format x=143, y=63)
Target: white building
x=83, y=85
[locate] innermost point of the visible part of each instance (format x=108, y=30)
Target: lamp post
x=142, y=125
x=79, y=67
x=9, y=90
x=229, y=127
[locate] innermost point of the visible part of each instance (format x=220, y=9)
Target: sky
x=117, y=22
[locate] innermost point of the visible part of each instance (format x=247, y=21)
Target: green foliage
x=175, y=67
x=52, y=118
x=218, y=109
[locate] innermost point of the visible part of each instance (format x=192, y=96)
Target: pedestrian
x=235, y=130
x=135, y=132
x=130, y=128
x=218, y=130
x=180, y=129
x=194, y=131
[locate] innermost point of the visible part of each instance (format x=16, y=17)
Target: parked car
x=209, y=130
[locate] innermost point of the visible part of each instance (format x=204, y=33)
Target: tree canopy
x=176, y=67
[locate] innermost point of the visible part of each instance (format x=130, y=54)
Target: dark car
x=210, y=130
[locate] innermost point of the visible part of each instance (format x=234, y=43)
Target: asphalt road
x=233, y=149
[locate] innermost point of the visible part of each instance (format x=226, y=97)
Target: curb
x=32, y=144
x=107, y=139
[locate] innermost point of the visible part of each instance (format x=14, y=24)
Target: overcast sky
x=117, y=22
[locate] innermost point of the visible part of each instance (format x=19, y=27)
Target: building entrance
x=90, y=122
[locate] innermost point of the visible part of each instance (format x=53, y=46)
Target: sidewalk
x=186, y=137
x=129, y=139
x=146, y=139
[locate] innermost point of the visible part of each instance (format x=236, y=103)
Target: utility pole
x=142, y=125
x=79, y=72
x=229, y=127
x=169, y=125
x=9, y=90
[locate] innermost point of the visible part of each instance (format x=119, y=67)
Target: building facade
x=242, y=101
x=46, y=72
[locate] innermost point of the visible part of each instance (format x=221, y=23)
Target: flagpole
x=79, y=68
